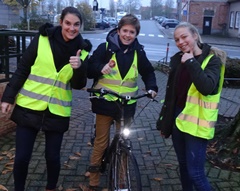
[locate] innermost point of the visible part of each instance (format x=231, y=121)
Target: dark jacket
x=206, y=82
x=61, y=53
x=101, y=57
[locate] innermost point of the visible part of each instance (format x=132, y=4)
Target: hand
x=75, y=61
x=108, y=67
x=152, y=93
x=111, y=63
x=186, y=56
x=6, y=107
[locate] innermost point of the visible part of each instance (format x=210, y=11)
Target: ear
x=60, y=21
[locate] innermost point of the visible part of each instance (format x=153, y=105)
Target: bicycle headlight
x=126, y=132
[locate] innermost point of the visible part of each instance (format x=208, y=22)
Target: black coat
x=101, y=57
x=206, y=82
x=61, y=53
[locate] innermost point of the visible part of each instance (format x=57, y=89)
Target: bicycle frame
x=122, y=162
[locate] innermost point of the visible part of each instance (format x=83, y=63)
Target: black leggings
x=25, y=138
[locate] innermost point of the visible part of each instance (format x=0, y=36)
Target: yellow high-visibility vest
x=115, y=83
x=45, y=87
x=200, y=114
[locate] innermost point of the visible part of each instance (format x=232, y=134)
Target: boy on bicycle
x=115, y=65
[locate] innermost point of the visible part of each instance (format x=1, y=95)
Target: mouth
x=127, y=40
x=185, y=47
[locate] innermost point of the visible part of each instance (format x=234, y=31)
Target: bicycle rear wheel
x=123, y=172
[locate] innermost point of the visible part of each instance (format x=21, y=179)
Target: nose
x=180, y=41
x=72, y=27
x=128, y=33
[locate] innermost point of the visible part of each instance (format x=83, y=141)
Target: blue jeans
x=25, y=138
x=191, y=155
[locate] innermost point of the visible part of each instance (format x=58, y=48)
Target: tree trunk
x=25, y=14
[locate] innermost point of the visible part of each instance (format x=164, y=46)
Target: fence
x=12, y=46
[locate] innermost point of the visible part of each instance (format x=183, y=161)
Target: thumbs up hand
x=75, y=61
x=111, y=63
x=108, y=67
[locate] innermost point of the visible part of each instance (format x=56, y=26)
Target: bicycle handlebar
x=103, y=92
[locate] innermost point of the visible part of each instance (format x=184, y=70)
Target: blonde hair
x=193, y=30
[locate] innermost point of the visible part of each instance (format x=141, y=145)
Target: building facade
x=209, y=16
x=234, y=18
x=213, y=16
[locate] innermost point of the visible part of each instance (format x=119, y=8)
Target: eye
x=67, y=23
x=77, y=24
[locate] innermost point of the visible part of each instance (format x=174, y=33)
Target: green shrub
x=232, y=71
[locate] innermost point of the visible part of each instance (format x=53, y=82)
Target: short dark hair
x=71, y=10
x=130, y=19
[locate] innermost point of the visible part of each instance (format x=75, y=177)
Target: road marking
x=142, y=34
x=152, y=35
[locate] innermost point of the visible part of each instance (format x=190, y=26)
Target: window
x=237, y=21
x=231, y=20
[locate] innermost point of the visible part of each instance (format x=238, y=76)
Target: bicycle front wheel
x=123, y=172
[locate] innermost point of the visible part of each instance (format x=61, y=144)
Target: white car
x=112, y=21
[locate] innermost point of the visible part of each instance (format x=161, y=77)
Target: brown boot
x=90, y=188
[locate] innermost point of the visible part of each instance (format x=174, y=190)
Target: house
x=8, y=16
x=213, y=16
x=209, y=16
x=234, y=18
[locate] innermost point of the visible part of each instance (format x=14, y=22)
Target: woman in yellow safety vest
x=190, y=108
x=53, y=64
x=116, y=65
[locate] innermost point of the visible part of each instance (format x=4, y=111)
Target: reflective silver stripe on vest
x=49, y=82
x=207, y=105
x=129, y=84
x=196, y=120
x=46, y=98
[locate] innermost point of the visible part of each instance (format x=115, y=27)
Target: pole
x=188, y=10
x=167, y=53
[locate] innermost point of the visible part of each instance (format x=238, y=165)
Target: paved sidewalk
x=155, y=155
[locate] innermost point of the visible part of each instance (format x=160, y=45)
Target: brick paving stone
x=155, y=155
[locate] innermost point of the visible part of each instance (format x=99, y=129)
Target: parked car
x=160, y=19
x=101, y=24
x=112, y=21
x=170, y=23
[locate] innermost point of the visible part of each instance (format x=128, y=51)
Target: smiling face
x=70, y=26
x=185, y=40
x=127, y=34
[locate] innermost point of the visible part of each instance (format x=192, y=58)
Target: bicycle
x=123, y=172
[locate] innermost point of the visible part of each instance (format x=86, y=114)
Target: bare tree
x=157, y=7
x=24, y=5
x=112, y=7
x=132, y=5
x=169, y=8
